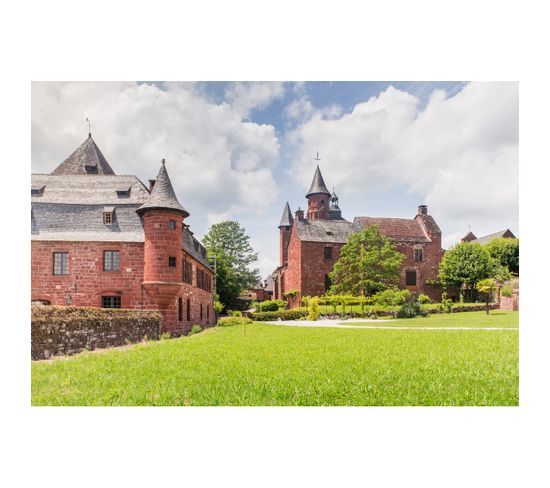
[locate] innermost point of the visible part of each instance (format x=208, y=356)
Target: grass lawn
x=274, y=365
x=496, y=318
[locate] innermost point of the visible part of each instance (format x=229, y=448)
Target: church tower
x=318, y=197
x=162, y=217
x=285, y=228
x=334, y=209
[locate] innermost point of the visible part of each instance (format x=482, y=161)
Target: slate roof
x=338, y=231
x=318, y=184
x=488, y=238
x=86, y=159
x=89, y=189
x=404, y=230
x=194, y=248
x=163, y=195
x=286, y=219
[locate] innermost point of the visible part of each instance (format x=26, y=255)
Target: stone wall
x=510, y=303
x=58, y=331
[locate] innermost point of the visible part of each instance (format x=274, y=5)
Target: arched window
x=180, y=309
x=188, y=304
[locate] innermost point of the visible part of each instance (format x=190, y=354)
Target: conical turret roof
x=86, y=160
x=163, y=195
x=286, y=219
x=318, y=184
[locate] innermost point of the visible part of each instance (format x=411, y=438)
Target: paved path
x=338, y=324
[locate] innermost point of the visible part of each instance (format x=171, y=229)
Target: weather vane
x=89, y=127
x=317, y=158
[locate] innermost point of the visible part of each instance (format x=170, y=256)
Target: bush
x=409, y=310
x=164, y=336
x=423, y=299
x=313, y=309
x=391, y=297
x=280, y=314
x=446, y=305
x=270, y=305
x=195, y=329
x=506, y=291
x=230, y=321
x=236, y=313
x=218, y=306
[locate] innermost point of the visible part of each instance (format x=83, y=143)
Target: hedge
x=281, y=314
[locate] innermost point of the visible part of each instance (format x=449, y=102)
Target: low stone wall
x=59, y=331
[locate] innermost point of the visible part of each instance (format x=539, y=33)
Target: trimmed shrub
x=506, y=291
x=195, y=329
x=391, y=297
x=236, y=313
x=423, y=299
x=230, y=321
x=270, y=305
x=165, y=335
x=446, y=305
x=313, y=309
x=280, y=314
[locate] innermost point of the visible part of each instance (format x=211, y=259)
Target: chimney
x=423, y=210
x=299, y=214
x=151, y=184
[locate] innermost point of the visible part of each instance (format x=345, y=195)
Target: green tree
x=464, y=265
x=487, y=287
x=229, y=244
x=368, y=263
x=506, y=252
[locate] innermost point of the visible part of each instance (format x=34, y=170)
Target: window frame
x=418, y=255
x=172, y=259
x=66, y=255
x=112, y=251
x=172, y=224
x=327, y=250
x=107, y=218
x=115, y=300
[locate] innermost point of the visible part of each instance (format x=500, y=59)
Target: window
x=328, y=253
x=180, y=309
x=111, y=260
x=60, y=263
x=410, y=278
x=110, y=301
x=418, y=254
x=201, y=311
x=327, y=282
x=172, y=261
x=107, y=218
x=187, y=272
x=208, y=312
x=172, y=224
x=188, y=306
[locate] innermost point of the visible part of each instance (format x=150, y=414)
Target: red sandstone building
x=310, y=245
x=106, y=240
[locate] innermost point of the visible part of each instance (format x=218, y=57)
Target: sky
x=240, y=150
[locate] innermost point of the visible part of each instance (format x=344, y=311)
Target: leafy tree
x=230, y=245
x=368, y=263
x=464, y=265
x=486, y=286
x=506, y=252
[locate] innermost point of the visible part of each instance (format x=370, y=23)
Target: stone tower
x=318, y=198
x=162, y=217
x=285, y=227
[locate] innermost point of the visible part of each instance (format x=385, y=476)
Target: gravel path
x=338, y=324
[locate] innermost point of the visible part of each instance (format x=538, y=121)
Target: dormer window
x=91, y=170
x=37, y=191
x=123, y=192
x=108, y=215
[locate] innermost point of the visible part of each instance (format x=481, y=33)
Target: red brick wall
x=317, y=207
x=315, y=267
x=86, y=282
x=284, y=239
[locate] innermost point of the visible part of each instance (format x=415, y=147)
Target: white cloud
x=219, y=164
x=458, y=154
x=245, y=96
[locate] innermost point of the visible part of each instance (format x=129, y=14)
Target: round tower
x=285, y=227
x=162, y=217
x=318, y=197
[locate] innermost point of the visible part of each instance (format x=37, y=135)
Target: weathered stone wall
x=510, y=303
x=58, y=331
x=86, y=282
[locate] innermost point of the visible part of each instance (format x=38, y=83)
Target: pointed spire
x=318, y=184
x=286, y=220
x=87, y=159
x=163, y=195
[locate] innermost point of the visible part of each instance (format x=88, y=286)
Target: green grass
x=276, y=365
x=496, y=318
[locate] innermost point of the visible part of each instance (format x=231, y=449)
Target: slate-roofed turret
x=163, y=195
x=286, y=220
x=318, y=186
